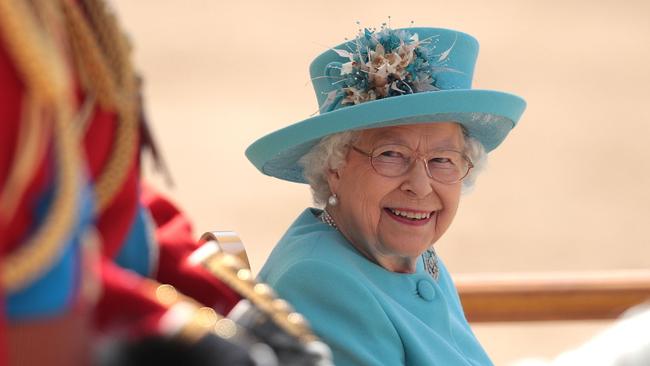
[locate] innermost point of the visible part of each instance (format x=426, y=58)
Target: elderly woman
x=399, y=135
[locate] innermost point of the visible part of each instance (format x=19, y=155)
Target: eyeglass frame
x=417, y=156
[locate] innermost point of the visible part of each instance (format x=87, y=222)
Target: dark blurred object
x=157, y=350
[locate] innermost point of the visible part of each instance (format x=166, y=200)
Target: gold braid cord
x=28, y=45
x=102, y=54
x=43, y=72
x=31, y=146
x=28, y=262
x=36, y=57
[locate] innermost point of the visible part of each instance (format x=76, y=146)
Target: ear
x=334, y=178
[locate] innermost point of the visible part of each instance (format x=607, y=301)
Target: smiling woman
x=392, y=220
x=399, y=134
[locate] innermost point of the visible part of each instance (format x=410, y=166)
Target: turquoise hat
x=391, y=77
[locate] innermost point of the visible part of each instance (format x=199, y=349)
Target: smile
x=409, y=217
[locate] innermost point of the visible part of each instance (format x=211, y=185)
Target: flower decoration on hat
x=385, y=63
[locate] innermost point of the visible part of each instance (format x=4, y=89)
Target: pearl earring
x=333, y=200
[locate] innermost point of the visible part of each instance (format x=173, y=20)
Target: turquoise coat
x=367, y=314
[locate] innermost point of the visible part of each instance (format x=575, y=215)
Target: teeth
x=411, y=215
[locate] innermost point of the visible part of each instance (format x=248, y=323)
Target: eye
x=392, y=157
x=444, y=160
x=441, y=160
x=391, y=154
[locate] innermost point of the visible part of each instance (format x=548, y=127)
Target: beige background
x=568, y=190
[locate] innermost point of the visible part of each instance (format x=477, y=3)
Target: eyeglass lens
x=447, y=166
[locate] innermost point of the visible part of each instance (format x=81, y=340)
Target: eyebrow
x=386, y=138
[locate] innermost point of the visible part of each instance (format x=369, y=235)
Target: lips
x=410, y=217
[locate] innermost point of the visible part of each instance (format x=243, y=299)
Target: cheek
x=368, y=206
x=365, y=199
x=450, y=200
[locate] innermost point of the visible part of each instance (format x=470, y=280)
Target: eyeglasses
x=444, y=166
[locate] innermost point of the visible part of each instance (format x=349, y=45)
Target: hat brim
x=487, y=115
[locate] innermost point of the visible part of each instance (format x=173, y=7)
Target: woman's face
x=371, y=208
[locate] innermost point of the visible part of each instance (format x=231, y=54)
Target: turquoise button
x=426, y=290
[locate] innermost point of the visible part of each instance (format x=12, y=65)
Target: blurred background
x=567, y=191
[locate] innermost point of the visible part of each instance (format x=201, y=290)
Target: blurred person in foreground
x=89, y=257
x=625, y=343
x=400, y=134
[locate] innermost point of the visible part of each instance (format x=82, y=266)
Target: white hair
x=331, y=151
x=477, y=155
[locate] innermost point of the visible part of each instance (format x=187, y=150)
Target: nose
x=418, y=180
x=426, y=166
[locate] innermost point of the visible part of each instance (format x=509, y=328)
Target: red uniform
x=83, y=245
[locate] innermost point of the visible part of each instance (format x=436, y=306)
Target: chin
x=408, y=247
